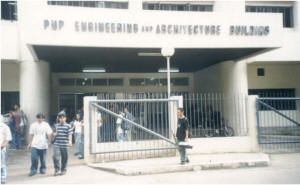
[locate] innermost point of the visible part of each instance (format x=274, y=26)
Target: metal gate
x=278, y=123
x=132, y=128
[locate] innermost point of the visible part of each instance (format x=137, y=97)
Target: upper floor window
x=9, y=10
x=287, y=12
x=93, y=4
x=177, y=7
x=182, y=81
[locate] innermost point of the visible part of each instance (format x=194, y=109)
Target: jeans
x=127, y=134
x=60, y=153
x=182, y=151
x=82, y=145
x=3, y=165
x=120, y=137
x=101, y=134
x=77, y=142
x=15, y=142
x=36, y=155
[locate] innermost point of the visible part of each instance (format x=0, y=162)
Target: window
x=100, y=82
x=260, y=72
x=9, y=10
x=117, y=5
x=83, y=82
x=287, y=12
x=177, y=7
x=137, y=81
x=93, y=4
x=115, y=82
x=66, y=81
x=201, y=8
x=276, y=93
x=163, y=82
x=151, y=81
x=180, y=81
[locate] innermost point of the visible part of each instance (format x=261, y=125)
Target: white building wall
x=280, y=75
x=229, y=6
x=9, y=40
x=291, y=38
x=225, y=77
x=230, y=79
x=17, y=37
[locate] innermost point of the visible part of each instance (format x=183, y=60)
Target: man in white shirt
x=38, y=143
x=5, y=137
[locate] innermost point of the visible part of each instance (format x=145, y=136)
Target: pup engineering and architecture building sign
x=175, y=29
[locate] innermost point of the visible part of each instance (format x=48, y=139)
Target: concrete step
x=172, y=164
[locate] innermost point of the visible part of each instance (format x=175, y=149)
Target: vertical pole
x=169, y=79
x=258, y=123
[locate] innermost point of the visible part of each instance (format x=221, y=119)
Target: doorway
x=73, y=102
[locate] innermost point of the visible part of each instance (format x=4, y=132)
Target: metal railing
x=278, y=122
x=209, y=114
x=146, y=125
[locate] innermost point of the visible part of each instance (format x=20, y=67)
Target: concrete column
x=229, y=6
x=87, y=142
x=296, y=15
x=235, y=86
x=135, y=6
x=35, y=88
x=252, y=123
x=235, y=78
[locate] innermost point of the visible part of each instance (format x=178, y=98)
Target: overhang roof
x=74, y=59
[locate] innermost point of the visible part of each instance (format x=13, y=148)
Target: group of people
x=41, y=135
x=122, y=129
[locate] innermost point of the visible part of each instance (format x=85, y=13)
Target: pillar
x=235, y=87
x=296, y=15
x=231, y=6
x=35, y=89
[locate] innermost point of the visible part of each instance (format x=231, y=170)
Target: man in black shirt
x=182, y=134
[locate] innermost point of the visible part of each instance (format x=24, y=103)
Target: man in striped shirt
x=63, y=139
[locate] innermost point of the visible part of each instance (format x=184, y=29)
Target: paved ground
x=284, y=168
x=197, y=162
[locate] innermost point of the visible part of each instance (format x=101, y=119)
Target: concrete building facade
x=220, y=46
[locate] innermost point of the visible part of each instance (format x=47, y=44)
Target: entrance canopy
x=121, y=60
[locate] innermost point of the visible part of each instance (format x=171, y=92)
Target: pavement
x=18, y=162
x=197, y=162
x=283, y=168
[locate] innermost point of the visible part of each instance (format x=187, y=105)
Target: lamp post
x=167, y=52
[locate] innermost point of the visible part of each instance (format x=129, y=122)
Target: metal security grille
x=278, y=127
x=132, y=128
x=209, y=114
